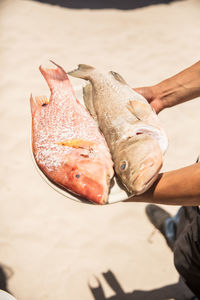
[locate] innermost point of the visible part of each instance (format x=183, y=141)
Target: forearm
x=180, y=88
x=178, y=187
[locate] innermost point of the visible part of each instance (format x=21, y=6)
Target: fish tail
x=83, y=71
x=55, y=78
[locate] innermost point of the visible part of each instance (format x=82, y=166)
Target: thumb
x=139, y=90
x=145, y=92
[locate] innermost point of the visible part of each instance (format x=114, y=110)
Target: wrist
x=162, y=95
x=165, y=93
x=180, y=88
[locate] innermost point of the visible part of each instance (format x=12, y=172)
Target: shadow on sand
x=101, y=4
x=177, y=291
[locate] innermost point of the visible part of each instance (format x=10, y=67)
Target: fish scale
x=59, y=131
x=82, y=170
x=132, y=130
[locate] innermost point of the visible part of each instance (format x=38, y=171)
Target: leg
x=182, y=234
x=159, y=218
x=171, y=227
x=187, y=248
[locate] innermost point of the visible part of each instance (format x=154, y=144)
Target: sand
x=58, y=248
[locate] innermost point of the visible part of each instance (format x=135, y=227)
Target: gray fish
x=132, y=129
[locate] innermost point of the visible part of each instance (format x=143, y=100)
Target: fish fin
x=41, y=100
x=76, y=143
x=141, y=110
x=55, y=78
x=88, y=100
x=83, y=71
x=37, y=102
x=118, y=77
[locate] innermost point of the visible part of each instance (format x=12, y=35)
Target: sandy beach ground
x=61, y=249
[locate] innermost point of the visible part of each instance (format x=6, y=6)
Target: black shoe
x=157, y=216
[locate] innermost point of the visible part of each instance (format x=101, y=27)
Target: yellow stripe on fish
x=76, y=143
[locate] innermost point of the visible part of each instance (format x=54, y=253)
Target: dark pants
x=187, y=247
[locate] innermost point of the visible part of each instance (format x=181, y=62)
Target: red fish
x=67, y=144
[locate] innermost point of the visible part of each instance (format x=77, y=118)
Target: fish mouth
x=139, y=188
x=151, y=180
x=143, y=181
x=95, y=184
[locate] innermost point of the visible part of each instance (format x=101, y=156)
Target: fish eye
x=123, y=165
x=77, y=176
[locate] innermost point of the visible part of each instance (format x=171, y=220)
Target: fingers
x=140, y=91
x=146, y=92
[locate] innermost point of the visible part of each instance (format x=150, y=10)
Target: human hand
x=174, y=90
x=150, y=95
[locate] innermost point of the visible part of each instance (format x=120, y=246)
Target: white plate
x=117, y=191
x=5, y=296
